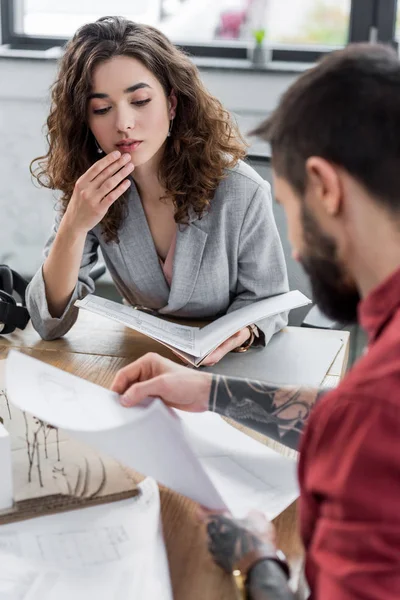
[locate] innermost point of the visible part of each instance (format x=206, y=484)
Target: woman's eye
x=101, y=111
x=141, y=102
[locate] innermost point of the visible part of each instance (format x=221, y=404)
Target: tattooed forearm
x=278, y=412
x=267, y=581
x=229, y=541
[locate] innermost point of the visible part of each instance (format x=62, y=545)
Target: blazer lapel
x=190, y=244
x=139, y=253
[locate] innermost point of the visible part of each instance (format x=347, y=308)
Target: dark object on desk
x=12, y=314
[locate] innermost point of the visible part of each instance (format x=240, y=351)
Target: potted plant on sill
x=260, y=54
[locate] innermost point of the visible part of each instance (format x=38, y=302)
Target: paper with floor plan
x=199, y=456
x=193, y=343
x=111, y=551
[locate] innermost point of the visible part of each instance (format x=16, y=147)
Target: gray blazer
x=223, y=261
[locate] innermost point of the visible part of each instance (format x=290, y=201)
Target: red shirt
x=350, y=468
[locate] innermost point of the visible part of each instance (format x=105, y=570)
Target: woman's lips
x=128, y=146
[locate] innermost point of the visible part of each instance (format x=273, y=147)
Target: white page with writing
x=115, y=550
x=173, y=334
x=154, y=442
x=196, y=342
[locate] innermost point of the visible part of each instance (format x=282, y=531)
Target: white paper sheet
x=199, y=456
x=193, y=341
x=6, y=485
x=246, y=473
x=113, y=551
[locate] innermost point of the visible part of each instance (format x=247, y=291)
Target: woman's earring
x=170, y=128
x=99, y=150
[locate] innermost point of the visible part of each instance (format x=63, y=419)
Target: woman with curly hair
x=150, y=170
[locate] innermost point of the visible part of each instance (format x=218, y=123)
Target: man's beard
x=333, y=292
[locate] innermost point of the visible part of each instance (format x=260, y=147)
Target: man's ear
x=173, y=103
x=325, y=183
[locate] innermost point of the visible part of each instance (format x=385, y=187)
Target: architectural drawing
x=46, y=462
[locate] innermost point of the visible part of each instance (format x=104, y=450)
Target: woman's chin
x=150, y=160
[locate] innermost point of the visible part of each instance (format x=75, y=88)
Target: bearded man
x=335, y=140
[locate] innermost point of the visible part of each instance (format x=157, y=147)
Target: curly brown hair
x=204, y=141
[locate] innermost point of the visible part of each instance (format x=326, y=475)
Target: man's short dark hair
x=346, y=110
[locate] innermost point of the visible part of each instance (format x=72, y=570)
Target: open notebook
x=193, y=343
x=198, y=455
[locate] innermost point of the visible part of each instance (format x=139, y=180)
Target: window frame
x=364, y=15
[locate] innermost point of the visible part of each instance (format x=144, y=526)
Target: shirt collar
x=377, y=308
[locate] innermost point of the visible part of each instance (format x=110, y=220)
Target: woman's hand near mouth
x=97, y=189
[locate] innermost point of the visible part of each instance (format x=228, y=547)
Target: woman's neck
x=147, y=180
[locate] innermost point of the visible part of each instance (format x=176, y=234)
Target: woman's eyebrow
x=128, y=90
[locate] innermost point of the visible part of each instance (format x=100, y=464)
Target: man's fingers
x=138, y=392
x=121, y=381
x=128, y=375
x=145, y=367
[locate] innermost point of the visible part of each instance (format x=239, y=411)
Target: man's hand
x=153, y=375
x=231, y=540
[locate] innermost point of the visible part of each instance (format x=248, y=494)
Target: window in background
x=289, y=22
x=322, y=22
x=61, y=19
x=397, y=31
x=297, y=30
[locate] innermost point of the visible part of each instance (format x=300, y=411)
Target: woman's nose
x=125, y=121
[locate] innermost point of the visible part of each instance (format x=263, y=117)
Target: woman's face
x=128, y=109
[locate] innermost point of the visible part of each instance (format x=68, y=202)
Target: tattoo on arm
x=228, y=542
x=278, y=412
x=266, y=581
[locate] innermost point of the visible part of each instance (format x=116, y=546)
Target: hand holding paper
x=155, y=376
x=199, y=456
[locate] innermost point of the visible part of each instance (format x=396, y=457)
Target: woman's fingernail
x=124, y=400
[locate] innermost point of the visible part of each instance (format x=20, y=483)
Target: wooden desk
x=95, y=349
